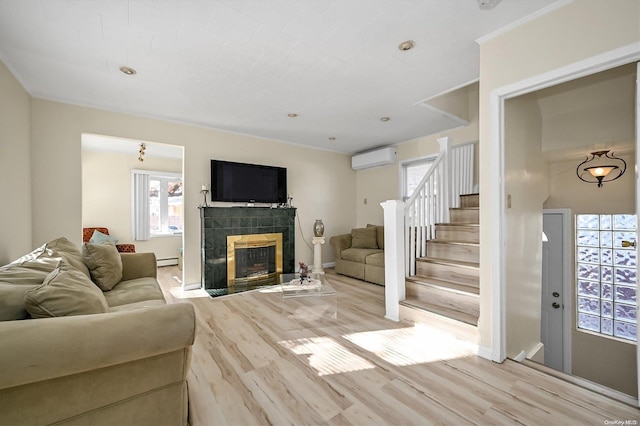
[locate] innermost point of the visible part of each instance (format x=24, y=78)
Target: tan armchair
x=122, y=248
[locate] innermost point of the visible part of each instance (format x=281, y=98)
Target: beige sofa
x=73, y=355
x=360, y=254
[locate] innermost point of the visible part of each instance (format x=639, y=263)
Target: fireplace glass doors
x=252, y=258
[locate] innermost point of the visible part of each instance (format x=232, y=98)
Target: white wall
x=15, y=168
x=526, y=176
x=322, y=182
x=576, y=31
x=106, y=196
x=383, y=183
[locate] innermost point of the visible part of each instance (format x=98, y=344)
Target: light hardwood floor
x=253, y=364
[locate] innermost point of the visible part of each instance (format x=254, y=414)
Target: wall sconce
x=143, y=147
x=601, y=170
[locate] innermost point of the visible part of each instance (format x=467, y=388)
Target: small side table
x=317, y=255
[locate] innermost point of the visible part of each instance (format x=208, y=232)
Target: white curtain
x=140, y=206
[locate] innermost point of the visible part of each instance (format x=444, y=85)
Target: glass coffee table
x=314, y=285
x=308, y=304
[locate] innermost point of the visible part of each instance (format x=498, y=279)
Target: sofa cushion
x=133, y=291
x=379, y=235
x=364, y=238
x=22, y=275
x=137, y=305
x=358, y=255
x=65, y=291
x=64, y=248
x=375, y=259
x=104, y=263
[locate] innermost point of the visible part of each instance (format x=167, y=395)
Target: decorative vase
x=318, y=228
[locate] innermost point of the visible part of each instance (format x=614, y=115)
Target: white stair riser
x=459, y=252
x=464, y=215
x=466, y=276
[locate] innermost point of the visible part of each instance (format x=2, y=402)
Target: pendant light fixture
x=601, y=167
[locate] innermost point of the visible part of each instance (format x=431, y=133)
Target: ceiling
x=243, y=66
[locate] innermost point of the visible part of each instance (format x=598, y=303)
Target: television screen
x=251, y=183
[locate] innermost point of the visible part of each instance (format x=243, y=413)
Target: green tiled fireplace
x=216, y=223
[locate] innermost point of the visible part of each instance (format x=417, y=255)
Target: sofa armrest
x=41, y=349
x=340, y=243
x=138, y=265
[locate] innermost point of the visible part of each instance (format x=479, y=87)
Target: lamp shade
x=598, y=171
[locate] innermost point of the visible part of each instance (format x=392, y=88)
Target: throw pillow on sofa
x=64, y=248
x=364, y=238
x=104, y=263
x=20, y=276
x=100, y=238
x=65, y=291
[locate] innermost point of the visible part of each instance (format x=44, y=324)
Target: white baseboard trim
x=168, y=262
x=329, y=265
x=485, y=353
x=192, y=286
x=537, y=353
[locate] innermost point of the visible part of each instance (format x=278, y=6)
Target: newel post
x=445, y=148
x=394, y=287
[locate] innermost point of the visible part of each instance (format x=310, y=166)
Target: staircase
x=446, y=280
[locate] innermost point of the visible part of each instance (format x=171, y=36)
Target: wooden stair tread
x=454, y=242
x=445, y=312
x=464, y=208
x=456, y=224
x=444, y=284
x=470, y=265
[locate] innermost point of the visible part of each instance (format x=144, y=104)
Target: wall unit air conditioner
x=375, y=158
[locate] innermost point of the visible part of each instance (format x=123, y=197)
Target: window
x=165, y=205
x=606, y=274
x=157, y=204
x=412, y=174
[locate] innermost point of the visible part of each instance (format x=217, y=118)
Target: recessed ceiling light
x=292, y=115
x=384, y=119
x=406, y=45
x=128, y=70
x=332, y=138
x=487, y=4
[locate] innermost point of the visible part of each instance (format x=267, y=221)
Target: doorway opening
x=110, y=199
x=561, y=144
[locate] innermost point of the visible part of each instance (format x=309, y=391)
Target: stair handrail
x=411, y=200
x=427, y=206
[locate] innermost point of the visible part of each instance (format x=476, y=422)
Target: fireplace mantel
x=216, y=223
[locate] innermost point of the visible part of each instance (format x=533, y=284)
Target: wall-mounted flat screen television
x=250, y=183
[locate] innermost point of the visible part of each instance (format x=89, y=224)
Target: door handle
x=556, y=305
x=555, y=294
x=628, y=243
